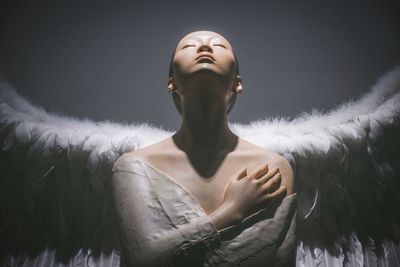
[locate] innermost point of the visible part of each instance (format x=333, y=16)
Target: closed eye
x=188, y=45
x=221, y=45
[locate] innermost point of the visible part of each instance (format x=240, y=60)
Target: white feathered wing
x=54, y=195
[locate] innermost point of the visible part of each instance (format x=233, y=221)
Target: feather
x=370, y=258
x=354, y=256
x=317, y=257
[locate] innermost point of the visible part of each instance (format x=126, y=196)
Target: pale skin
x=229, y=177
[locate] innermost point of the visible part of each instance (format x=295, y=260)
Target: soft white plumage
x=54, y=180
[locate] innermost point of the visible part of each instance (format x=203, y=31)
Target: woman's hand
x=247, y=194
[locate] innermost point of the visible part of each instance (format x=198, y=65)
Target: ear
x=238, y=86
x=170, y=85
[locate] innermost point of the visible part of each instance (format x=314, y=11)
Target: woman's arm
x=261, y=234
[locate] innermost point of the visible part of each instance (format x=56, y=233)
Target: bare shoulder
x=126, y=160
x=160, y=154
x=273, y=159
x=157, y=147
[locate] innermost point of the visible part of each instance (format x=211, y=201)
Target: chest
x=209, y=191
x=204, y=177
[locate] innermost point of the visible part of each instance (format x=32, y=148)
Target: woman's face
x=204, y=52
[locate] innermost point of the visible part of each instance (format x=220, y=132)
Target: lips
x=205, y=60
x=205, y=56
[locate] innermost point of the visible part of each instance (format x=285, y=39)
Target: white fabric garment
x=162, y=224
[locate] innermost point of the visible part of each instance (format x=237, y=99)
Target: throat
x=205, y=153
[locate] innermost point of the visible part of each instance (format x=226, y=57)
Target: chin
x=207, y=74
x=208, y=69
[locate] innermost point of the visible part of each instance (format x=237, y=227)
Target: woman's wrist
x=225, y=216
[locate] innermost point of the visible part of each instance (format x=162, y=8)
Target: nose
x=204, y=47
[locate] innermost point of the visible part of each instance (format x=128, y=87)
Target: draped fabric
x=163, y=223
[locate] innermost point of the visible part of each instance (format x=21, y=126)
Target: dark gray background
x=109, y=60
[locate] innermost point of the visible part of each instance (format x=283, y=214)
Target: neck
x=204, y=127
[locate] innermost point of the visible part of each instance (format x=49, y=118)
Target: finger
x=263, y=169
x=239, y=175
x=242, y=173
x=273, y=184
x=281, y=192
x=269, y=175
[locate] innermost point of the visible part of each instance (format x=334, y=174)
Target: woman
x=204, y=196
